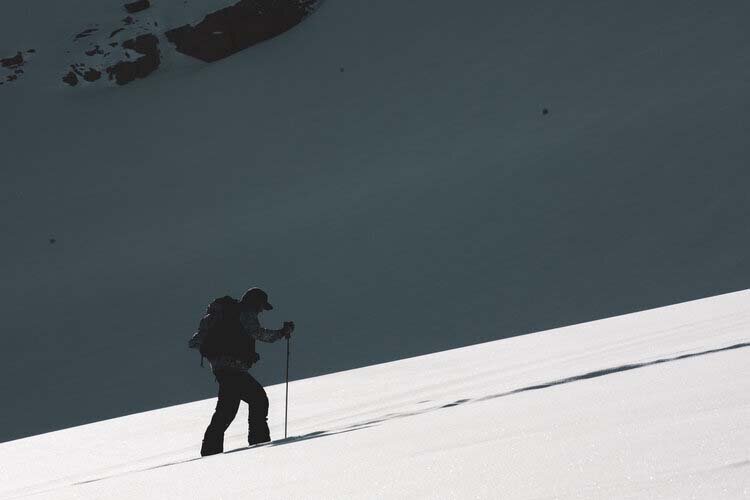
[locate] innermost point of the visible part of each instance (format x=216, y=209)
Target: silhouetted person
x=227, y=338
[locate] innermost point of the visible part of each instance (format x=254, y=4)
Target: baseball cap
x=256, y=293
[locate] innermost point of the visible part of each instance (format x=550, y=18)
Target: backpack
x=220, y=332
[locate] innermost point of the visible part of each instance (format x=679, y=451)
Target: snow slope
x=648, y=405
x=384, y=170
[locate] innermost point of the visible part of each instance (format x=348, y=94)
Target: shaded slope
x=386, y=172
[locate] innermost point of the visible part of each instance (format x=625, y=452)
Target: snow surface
x=414, y=202
x=648, y=405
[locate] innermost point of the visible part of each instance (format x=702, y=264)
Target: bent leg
x=226, y=409
x=257, y=400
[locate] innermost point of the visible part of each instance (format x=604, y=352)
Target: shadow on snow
x=458, y=402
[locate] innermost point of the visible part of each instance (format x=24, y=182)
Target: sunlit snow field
x=648, y=405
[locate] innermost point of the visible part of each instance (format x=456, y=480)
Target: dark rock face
x=86, y=33
x=126, y=71
x=92, y=75
x=218, y=35
x=71, y=79
x=137, y=6
x=96, y=50
x=12, y=62
x=238, y=27
x=13, y=65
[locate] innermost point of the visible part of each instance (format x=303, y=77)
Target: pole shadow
x=398, y=415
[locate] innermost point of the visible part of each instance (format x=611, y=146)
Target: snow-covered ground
x=648, y=405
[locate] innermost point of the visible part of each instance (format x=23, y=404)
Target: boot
x=259, y=434
x=208, y=448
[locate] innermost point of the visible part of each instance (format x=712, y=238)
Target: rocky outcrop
x=92, y=75
x=13, y=65
x=96, y=50
x=126, y=71
x=238, y=27
x=81, y=71
x=137, y=6
x=70, y=78
x=85, y=33
x=124, y=50
x=12, y=62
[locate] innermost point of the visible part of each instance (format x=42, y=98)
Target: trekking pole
x=286, y=404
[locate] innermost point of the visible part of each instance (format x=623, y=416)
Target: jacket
x=250, y=327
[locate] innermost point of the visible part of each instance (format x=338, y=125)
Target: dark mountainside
x=401, y=177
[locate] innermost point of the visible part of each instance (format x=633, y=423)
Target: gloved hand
x=288, y=328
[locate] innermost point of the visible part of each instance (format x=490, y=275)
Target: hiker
x=227, y=338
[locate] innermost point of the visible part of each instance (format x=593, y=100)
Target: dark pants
x=234, y=387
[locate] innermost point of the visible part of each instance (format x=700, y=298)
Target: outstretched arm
x=252, y=326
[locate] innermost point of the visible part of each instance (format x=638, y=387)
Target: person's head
x=256, y=300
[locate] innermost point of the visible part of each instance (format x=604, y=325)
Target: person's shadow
x=392, y=416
